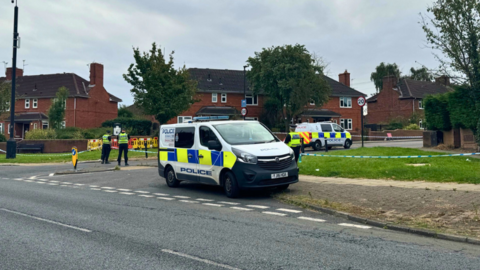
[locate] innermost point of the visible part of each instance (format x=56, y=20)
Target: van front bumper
x=253, y=176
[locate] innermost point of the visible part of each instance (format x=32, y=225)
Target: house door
x=26, y=127
x=456, y=138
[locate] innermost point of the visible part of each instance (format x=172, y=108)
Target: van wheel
x=230, y=185
x=347, y=145
x=317, y=146
x=283, y=187
x=171, y=179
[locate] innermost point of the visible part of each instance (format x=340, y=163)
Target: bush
x=412, y=127
x=462, y=109
x=436, y=112
x=2, y=138
x=137, y=126
x=394, y=125
x=41, y=134
x=123, y=112
x=70, y=133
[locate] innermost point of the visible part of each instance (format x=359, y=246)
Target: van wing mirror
x=214, y=145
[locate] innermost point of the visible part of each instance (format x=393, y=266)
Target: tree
x=56, y=112
x=420, y=74
x=158, y=88
x=455, y=31
x=123, y=112
x=5, y=95
x=288, y=74
x=381, y=71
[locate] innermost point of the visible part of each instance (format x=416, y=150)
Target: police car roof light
x=209, y=118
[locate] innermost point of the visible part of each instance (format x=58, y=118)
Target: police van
x=319, y=132
x=236, y=155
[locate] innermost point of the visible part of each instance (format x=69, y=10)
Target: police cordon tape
x=390, y=157
x=396, y=137
x=70, y=154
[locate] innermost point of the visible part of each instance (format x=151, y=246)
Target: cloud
x=64, y=36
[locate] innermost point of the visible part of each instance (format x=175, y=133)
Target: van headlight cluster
x=292, y=154
x=244, y=156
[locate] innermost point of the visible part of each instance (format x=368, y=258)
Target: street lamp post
x=11, y=143
x=245, y=84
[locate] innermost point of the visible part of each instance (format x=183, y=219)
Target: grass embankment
x=441, y=169
x=50, y=158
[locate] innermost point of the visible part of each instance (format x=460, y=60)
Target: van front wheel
x=230, y=185
x=317, y=146
x=170, y=178
x=347, y=145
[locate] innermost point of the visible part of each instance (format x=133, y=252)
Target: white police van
x=321, y=131
x=236, y=155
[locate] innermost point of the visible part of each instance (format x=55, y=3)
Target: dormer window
x=220, y=81
x=209, y=79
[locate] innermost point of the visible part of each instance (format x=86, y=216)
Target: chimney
x=344, y=78
x=9, y=73
x=445, y=80
x=390, y=82
x=96, y=74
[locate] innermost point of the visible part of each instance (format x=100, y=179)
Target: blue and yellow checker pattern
x=202, y=157
x=331, y=135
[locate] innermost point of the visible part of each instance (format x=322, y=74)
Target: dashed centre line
x=110, y=191
x=66, y=183
x=95, y=189
x=161, y=194
x=274, y=213
x=89, y=185
x=213, y=204
x=205, y=200
x=312, y=219
x=289, y=210
x=165, y=198
x=241, y=208
x=188, y=201
x=258, y=206
x=182, y=197
x=141, y=191
x=108, y=187
x=124, y=189
x=126, y=193
x=146, y=196
x=355, y=226
x=230, y=203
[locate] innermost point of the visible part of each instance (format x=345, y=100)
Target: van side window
x=206, y=134
x=337, y=128
x=184, y=137
x=326, y=128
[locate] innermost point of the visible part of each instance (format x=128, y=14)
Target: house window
x=35, y=103
x=346, y=124
x=8, y=106
x=224, y=98
x=420, y=124
x=183, y=119
x=8, y=128
x=251, y=99
x=27, y=103
x=251, y=118
x=35, y=126
x=1, y=128
x=312, y=102
x=345, y=102
x=64, y=124
x=420, y=104
x=45, y=124
x=214, y=97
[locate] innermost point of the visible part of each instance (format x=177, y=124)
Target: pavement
x=130, y=219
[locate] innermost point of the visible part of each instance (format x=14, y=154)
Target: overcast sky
x=65, y=35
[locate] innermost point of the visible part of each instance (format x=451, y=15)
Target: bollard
x=146, y=153
x=326, y=145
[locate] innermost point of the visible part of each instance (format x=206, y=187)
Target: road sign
x=244, y=103
x=361, y=101
x=74, y=157
x=244, y=111
x=365, y=110
x=117, y=128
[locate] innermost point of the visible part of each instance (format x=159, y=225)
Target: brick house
x=88, y=104
x=401, y=99
x=220, y=93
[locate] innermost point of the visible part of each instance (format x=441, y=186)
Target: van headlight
x=244, y=156
x=292, y=154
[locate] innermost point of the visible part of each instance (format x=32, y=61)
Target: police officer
x=123, y=138
x=293, y=141
x=107, y=139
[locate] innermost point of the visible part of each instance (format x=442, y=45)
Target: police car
x=315, y=134
x=236, y=155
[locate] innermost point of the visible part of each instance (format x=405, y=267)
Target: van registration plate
x=279, y=175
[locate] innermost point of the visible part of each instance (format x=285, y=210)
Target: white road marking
x=32, y=177
x=110, y=191
x=52, y=174
x=46, y=220
x=312, y=219
x=43, y=180
x=241, y=208
x=205, y=200
x=230, y=203
x=66, y=183
x=18, y=179
x=29, y=181
x=165, y=198
x=122, y=189
x=38, y=182
x=187, y=201
x=274, y=213
x=161, y=194
x=182, y=197
x=258, y=206
x=199, y=259
x=355, y=226
x=212, y=204
x=53, y=184
x=89, y=185
x=108, y=187
x=141, y=191
x=146, y=196
x=79, y=184
x=95, y=189
x=54, y=181
x=289, y=210
x=126, y=193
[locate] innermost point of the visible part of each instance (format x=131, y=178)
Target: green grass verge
x=441, y=169
x=48, y=158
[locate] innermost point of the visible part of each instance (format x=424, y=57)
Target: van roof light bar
x=209, y=118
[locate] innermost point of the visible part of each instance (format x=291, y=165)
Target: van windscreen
x=236, y=133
